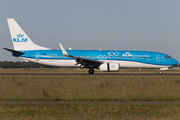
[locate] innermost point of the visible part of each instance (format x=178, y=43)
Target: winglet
x=65, y=53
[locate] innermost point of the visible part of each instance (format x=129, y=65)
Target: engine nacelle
x=109, y=67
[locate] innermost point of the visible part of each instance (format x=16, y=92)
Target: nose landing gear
x=91, y=71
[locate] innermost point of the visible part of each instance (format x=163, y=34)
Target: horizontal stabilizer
x=14, y=51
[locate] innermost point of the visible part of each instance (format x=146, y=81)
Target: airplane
x=105, y=60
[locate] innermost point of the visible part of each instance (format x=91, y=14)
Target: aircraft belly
x=131, y=64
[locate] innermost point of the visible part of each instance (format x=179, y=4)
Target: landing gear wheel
x=91, y=71
x=160, y=72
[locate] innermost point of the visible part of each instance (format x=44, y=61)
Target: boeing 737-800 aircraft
x=105, y=60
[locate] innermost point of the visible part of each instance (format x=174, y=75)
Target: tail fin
x=20, y=39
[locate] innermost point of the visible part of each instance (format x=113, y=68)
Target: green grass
x=90, y=112
x=90, y=88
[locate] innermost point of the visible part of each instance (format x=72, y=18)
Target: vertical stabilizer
x=20, y=39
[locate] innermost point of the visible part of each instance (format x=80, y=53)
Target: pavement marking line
x=89, y=102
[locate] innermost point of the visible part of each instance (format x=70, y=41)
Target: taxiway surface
x=86, y=74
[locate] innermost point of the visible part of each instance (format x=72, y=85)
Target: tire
x=91, y=71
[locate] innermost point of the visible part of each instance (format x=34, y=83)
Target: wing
x=83, y=61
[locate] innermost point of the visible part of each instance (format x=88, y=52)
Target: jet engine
x=109, y=67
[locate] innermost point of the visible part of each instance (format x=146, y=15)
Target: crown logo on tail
x=20, y=35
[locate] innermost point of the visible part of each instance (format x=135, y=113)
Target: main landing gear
x=91, y=71
x=160, y=72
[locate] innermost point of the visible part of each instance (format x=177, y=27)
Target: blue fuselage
x=153, y=58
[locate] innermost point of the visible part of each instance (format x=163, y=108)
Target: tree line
x=11, y=64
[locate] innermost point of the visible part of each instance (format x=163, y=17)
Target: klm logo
x=127, y=54
x=112, y=66
x=20, y=38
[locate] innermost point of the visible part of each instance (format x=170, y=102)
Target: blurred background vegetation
x=11, y=64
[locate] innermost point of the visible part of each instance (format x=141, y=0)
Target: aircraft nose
x=175, y=62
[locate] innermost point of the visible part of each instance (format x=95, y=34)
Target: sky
x=147, y=25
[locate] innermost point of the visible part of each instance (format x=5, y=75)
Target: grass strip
x=90, y=88
x=89, y=112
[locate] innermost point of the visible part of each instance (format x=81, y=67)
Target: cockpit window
x=167, y=57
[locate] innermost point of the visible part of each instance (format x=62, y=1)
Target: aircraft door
x=37, y=55
x=157, y=57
